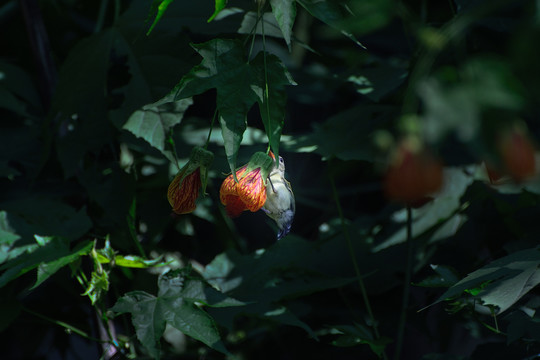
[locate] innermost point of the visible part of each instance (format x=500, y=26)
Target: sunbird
x=279, y=205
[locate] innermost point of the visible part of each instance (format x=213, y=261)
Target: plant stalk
x=355, y=263
x=406, y=286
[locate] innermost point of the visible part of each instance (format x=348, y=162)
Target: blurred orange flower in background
x=517, y=153
x=413, y=173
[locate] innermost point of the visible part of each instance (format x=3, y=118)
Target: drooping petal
x=183, y=191
x=228, y=188
x=252, y=191
x=248, y=194
x=234, y=206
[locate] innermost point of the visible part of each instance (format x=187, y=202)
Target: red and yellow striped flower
x=248, y=190
x=184, y=189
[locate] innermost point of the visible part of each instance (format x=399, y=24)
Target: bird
x=280, y=205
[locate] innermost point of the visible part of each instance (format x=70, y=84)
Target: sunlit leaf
x=285, y=13
x=156, y=11
x=505, y=280
x=53, y=254
x=138, y=262
x=99, y=284
x=8, y=237
x=176, y=305
x=272, y=106
x=47, y=269
x=251, y=24
x=239, y=85
x=154, y=121
x=379, y=81
x=220, y=5
x=440, y=212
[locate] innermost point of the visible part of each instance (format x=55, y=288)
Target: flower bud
x=184, y=189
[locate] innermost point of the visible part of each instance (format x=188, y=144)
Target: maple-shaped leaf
x=48, y=255
x=153, y=121
x=502, y=282
x=240, y=84
x=285, y=13
x=178, y=304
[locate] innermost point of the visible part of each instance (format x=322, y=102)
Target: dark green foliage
x=93, y=262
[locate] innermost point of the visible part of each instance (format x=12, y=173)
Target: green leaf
x=439, y=214
x=359, y=334
x=329, y=12
x=253, y=23
x=154, y=121
x=220, y=5
x=272, y=106
x=457, y=106
x=53, y=254
x=47, y=269
x=133, y=261
x=156, y=11
x=370, y=15
x=445, y=277
x=239, y=85
x=17, y=91
x=344, y=137
x=99, y=283
x=269, y=278
x=147, y=316
x=8, y=237
x=522, y=326
x=283, y=315
x=112, y=189
x=28, y=216
x=176, y=305
x=504, y=281
x=285, y=13
x=377, y=82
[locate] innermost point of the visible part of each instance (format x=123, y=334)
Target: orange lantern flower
x=413, y=173
x=184, y=189
x=247, y=190
x=517, y=153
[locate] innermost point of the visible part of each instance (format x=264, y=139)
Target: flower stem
x=211, y=128
x=406, y=287
x=355, y=263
